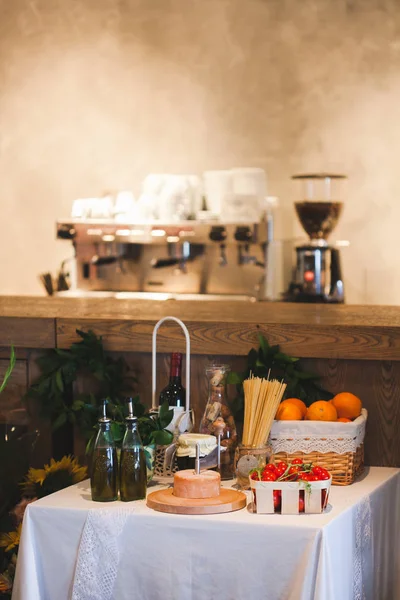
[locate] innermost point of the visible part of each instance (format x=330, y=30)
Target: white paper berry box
x=316, y=495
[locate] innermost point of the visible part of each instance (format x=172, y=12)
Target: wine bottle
x=132, y=472
x=174, y=393
x=104, y=475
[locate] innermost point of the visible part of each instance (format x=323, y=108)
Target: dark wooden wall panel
x=43, y=447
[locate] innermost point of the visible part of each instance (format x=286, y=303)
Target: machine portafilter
x=179, y=254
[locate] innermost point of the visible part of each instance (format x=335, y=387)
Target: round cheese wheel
x=189, y=485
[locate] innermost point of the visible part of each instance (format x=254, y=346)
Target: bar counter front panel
x=354, y=348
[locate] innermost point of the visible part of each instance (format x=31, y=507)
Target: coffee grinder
x=317, y=275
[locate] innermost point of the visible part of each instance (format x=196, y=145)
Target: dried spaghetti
x=261, y=400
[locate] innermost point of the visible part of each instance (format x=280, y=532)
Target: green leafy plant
x=152, y=427
x=109, y=379
x=270, y=361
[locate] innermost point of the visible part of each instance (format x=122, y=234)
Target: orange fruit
x=299, y=403
x=288, y=412
x=344, y=420
x=347, y=405
x=321, y=410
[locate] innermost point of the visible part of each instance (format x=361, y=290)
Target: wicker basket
x=339, y=447
x=159, y=466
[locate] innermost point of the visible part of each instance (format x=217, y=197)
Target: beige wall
x=94, y=94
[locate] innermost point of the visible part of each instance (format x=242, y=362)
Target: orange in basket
x=288, y=412
x=299, y=403
x=347, y=405
x=344, y=420
x=321, y=411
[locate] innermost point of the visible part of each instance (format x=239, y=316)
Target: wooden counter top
x=304, y=330
x=206, y=311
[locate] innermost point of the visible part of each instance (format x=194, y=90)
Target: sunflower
x=10, y=540
x=54, y=477
x=5, y=583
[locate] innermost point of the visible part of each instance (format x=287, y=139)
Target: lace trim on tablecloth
x=327, y=444
x=363, y=549
x=98, y=555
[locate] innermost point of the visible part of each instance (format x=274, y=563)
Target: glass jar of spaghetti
x=261, y=400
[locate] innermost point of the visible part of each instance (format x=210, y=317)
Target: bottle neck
x=104, y=436
x=175, y=372
x=132, y=435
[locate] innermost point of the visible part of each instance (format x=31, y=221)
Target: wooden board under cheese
x=228, y=501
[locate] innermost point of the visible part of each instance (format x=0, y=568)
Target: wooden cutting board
x=227, y=501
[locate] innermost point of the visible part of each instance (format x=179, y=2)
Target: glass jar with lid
x=186, y=450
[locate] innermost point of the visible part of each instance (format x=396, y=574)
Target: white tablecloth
x=354, y=546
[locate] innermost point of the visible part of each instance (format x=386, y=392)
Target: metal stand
x=154, y=401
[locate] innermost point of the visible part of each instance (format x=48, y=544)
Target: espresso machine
x=158, y=260
x=183, y=238
x=317, y=275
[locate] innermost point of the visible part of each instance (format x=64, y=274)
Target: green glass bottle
x=132, y=472
x=104, y=475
